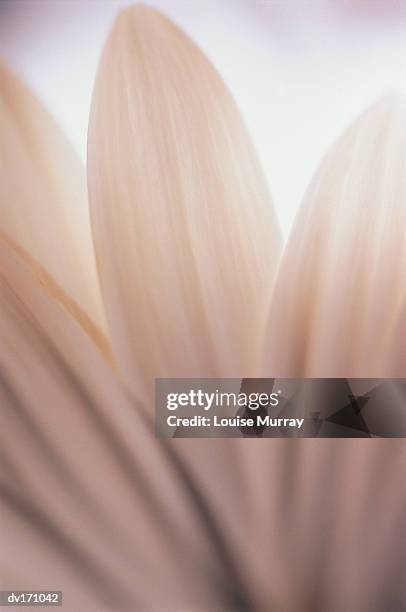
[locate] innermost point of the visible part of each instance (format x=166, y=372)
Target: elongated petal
x=90, y=501
x=343, y=278
x=93, y=504
x=186, y=238
x=43, y=205
x=335, y=305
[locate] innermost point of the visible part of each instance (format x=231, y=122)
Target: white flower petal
x=44, y=210
x=186, y=238
x=91, y=502
x=342, y=281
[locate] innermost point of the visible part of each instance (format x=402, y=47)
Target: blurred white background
x=300, y=70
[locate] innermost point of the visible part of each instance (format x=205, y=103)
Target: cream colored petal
x=93, y=504
x=90, y=501
x=336, y=303
x=343, y=277
x=186, y=237
x=43, y=205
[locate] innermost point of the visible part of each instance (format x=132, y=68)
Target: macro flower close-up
x=163, y=257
